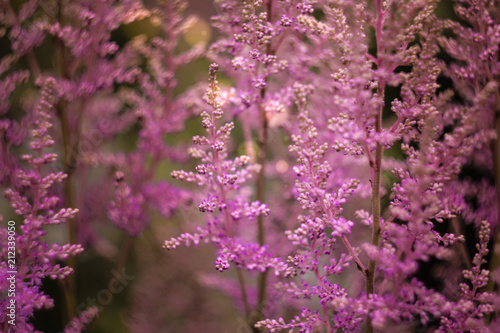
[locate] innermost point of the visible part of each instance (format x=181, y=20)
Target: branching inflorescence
x=229, y=210
x=34, y=200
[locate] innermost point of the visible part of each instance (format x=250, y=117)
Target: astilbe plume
x=78, y=324
x=229, y=208
x=90, y=66
x=34, y=200
x=474, y=69
x=141, y=197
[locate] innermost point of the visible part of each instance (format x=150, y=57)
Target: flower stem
x=495, y=146
x=70, y=281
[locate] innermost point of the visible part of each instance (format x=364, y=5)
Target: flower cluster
x=222, y=177
x=468, y=312
x=231, y=211
x=99, y=91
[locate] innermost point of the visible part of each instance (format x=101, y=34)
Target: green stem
x=376, y=166
x=457, y=230
x=370, y=275
x=70, y=281
x=495, y=147
x=260, y=195
x=126, y=250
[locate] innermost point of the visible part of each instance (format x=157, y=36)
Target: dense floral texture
x=32, y=200
x=347, y=163
x=98, y=91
